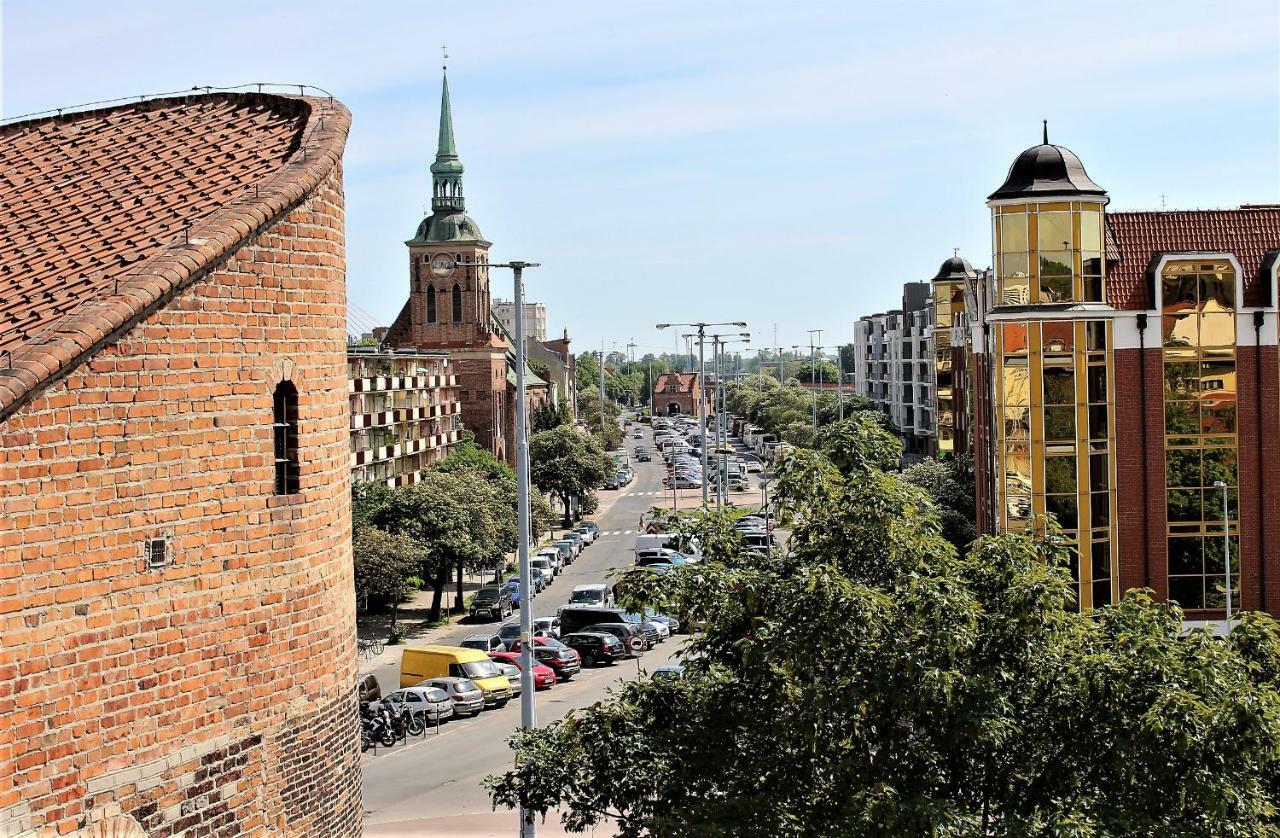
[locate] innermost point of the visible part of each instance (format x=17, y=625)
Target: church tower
x=448, y=259
x=449, y=307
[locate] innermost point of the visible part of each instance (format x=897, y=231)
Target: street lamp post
x=722, y=435
x=702, y=419
x=813, y=372
x=1226, y=546
x=528, y=719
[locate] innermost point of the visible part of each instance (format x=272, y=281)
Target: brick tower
x=449, y=305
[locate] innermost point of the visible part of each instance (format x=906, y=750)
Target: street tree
x=385, y=568
x=546, y=416
x=950, y=484
x=872, y=681
x=568, y=464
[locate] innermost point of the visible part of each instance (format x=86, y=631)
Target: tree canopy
x=872, y=681
x=567, y=463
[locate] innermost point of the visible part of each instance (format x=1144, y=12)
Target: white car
x=431, y=702
x=552, y=555
x=546, y=627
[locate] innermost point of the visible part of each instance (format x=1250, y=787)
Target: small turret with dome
x=1047, y=230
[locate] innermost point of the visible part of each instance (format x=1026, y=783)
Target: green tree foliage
x=385, y=565
x=546, y=416
x=787, y=409
x=950, y=484
x=825, y=371
x=848, y=358
x=568, y=464
x=589, y=414
x=871, y=681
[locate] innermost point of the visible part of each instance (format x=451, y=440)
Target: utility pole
x=813, y=368
x=528, y=719
x=631, y=351
x=701, y=381
x=840, y=383
x=602, y=432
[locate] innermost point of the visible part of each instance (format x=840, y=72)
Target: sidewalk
x=500, y=824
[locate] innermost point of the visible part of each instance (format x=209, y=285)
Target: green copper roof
x=447, y=161
x=448, y=227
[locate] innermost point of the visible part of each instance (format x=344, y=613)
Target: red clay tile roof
x=1134, y=237
x=686, y=381
x=108, y=212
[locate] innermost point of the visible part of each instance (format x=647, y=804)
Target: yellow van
x=417, y=663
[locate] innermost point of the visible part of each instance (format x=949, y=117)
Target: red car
x=543, y=676
x=566, y=662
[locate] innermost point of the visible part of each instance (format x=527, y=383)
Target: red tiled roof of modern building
x=1133, y=237
x=109, y=212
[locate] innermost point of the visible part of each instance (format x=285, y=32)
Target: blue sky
x=779, y=163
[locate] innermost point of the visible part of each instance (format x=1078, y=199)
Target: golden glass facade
x=1055, y=394
x=1198, y=330
x=948, y=308
x=1049, y=253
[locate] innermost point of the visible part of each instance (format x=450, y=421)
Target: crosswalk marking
x=616, y=532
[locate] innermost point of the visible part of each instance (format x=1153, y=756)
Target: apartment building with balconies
x=406, y=414
x=893, y=368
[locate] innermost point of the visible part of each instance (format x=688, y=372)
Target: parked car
x=590, y=595
x=673, y=625
x=630, y=634
x=367, y=688
x=579, y=543
x=567, y=550
x=613, y=481
x=431, y=703
x=513, y=589
x=546, y=627
x=513, y=677
x=542, y=569
x=552, y=555
x=510, y=633
x=563, y=659
x=593, y=526
x=588, y=534
x=467, y=698
x=671, y=672
x=544, y=677
x=484, y=642
x=540, y=579
x=491, y=603
x=643, y=456
x=738, y=483
x=595, y=647
x=637, y=434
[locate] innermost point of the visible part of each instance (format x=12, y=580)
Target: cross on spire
x=444, y=50
x=1046, y=131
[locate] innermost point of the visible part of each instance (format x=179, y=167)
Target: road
x=431, y=786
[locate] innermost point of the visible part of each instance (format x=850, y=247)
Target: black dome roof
x=1044, y=171
x=953, y=269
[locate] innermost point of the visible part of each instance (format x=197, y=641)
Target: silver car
x=513, y=677
x=467, y=698
x=430, y=702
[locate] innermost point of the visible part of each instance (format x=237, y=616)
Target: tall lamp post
x=1226, y=546
x=702, y=418
x=528, y=827
x=813, y=373
x=722, y=438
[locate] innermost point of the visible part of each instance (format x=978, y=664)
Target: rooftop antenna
x=1162, y=206
x=1046, y=131
x=955, y=251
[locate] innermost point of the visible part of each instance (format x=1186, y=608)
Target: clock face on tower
x=442, y=265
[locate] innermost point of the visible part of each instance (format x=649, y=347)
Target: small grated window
x=157, y=552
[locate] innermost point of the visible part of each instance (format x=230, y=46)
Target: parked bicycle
x=368, y=649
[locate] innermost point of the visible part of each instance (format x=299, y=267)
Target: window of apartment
x=1201, y=443
x=1049, y=253
x=285, y=438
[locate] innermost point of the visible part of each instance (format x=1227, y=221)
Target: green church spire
x=446, y=172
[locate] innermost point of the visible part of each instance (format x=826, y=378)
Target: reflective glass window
x=1053, y=231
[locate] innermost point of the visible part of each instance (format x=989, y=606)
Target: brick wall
x=1140, y=493
x=214, y=696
